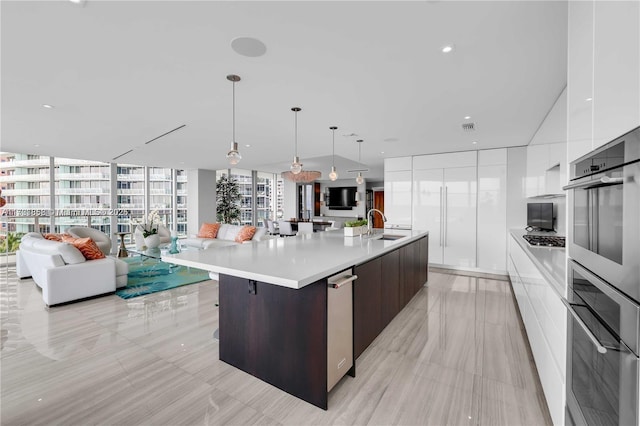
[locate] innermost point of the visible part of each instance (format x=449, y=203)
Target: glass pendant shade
x=333, y=175
x=296, y=166
x=359, y=178
x=233, y=156
x=295, y=172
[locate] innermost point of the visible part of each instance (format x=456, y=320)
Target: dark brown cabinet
x=367, y=298
x=384, y=286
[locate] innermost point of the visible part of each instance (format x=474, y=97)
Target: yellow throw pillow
x=209, y=230
x=246, y=233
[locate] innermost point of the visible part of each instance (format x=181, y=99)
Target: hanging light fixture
x=333, y=175
x=296, y=174
x=359, y=178
x=233, y=155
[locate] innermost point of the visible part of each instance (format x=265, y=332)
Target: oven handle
x=603, y=181
x=593, y=338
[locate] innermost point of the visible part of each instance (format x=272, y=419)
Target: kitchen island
x=274, y=321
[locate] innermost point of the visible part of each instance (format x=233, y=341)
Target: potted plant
x=354, y=228
x=227, y=200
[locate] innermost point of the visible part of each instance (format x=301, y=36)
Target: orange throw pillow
x=209, y=230
x=87, y=247
x=246, y=233
x=56, y=237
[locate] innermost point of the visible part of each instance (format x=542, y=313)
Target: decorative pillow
x=55, y=237
x=87, y=247
x=209, y=230
x=245, y=234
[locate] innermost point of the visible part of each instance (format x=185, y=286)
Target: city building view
x=110, y=197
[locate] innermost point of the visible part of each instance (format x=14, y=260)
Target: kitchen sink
x=391, y=237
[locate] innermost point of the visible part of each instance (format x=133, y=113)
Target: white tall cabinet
x=492, y=209
x=444, y=203
x=397, y=192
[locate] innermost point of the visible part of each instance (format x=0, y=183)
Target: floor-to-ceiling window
x=82, y=195
x=261, y=195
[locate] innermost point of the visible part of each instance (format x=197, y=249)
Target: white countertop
x=550, y=261
x=292, y=262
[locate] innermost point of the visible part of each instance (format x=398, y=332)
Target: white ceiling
x=122, y=73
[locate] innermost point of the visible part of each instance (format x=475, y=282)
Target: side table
x=122, y=251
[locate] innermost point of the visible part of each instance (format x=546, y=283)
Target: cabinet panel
x=367, y=300
x=580, y=79
x=397, y=164
x=397, y=197
x=391, y=294
x=492, y=217
x=545, y=319
x=443, y=161
x=616, y=98
x=460, y=213
x=427, y=205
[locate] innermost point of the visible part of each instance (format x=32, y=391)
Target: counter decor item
x=355, y=227
x=152, y=241
x=174, y=245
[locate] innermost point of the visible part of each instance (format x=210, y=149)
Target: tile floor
x=456, y=355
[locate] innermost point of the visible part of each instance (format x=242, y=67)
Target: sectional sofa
x=63, y=273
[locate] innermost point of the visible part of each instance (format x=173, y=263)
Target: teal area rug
x=153, y=275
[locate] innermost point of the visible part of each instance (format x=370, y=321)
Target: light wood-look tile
x=455, y=355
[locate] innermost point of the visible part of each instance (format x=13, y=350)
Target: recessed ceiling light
x=447, y=49
x=80, y=2
x=474, y=142
x=36, y=145
x=381, y=152
x=247, y=46
x=589, y=99
x=248, y=145
x=48, y=106
x=467, y=117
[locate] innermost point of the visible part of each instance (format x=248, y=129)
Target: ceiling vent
x=468, y=127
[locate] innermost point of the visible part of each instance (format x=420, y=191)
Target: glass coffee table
x=155, y=254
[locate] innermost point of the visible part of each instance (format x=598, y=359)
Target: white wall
x=290, y=199
x=359, y=210
x=201, y=199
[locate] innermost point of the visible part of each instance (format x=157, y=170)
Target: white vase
x=152, y=241
x=354, y=231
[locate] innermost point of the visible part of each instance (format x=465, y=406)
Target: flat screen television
x=342, y=198
x=540, y=216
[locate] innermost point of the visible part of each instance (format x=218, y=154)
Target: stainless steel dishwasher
x=339, y=326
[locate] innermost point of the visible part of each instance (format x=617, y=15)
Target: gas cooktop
x=544, y=240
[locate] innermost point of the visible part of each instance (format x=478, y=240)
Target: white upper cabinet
x=580, y=79
x=616, y=71
x=547, y=153
x=397, y=192
x=397, y=164
x=603, y=77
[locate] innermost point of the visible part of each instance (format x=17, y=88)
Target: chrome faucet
x=384, y=218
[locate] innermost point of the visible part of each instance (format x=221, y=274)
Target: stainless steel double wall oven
x=604, y=284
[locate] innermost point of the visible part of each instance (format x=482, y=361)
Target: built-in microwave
x=603, y=204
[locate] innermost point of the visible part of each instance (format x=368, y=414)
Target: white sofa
x=62, y=272
x=226, y=237
x=101, y=239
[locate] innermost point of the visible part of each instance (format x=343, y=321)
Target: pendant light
x=359, y=178
x=296, y=165
x=296, y=174
x=333, y=175
x=233, y=155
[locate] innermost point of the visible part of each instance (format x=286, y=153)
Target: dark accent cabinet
x=384, y=286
